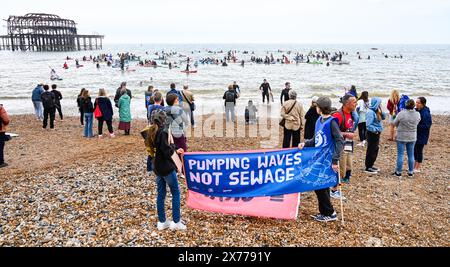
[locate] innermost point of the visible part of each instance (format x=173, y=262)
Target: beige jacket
x=295, y=118
x=190, y=97
x=5, y=119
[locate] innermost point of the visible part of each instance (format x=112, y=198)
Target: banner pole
x=342, y=204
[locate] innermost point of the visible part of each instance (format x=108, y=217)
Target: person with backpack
x=362, y=108
x=373, y=118
x=292, y=113
x=250, y=113
x=406, y=123
x=392, y=106
x=311, y=117
x=37, y=102
x=188, y=103
x=80, y=109
x=124, y=105
x=103, y=112
x=48, y=101
x=177, y=121
x=346, y=120
x=173, y=90
x=58, y=97
x=4, y=121
x=423, y=131
x=160, y=141
x=88, y=111
x=230, y=97
x=327, y=128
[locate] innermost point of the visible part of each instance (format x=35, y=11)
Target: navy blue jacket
x=423, y=128
x=105, y=107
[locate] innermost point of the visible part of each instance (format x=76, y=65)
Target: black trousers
x=373, y=146
x=2, y=146
x=58, y=108
x=49, y=112
x=418, y=152
x=291, y=134
x=325, y=206
x=100, y=126
x=264, y=95
x=362, y=130
x=81, y=117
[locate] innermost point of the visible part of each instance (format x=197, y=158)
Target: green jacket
x=124, y=108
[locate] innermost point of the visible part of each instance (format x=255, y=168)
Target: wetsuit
x=265, y=87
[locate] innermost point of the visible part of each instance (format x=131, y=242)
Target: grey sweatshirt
x=406, y=122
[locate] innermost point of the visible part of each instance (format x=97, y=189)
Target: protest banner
x=259, y=173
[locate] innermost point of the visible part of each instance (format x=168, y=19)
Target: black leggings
x=100, y=126
x=418, y=152
x=264, y=95
x=81, y=117
x=362, y=130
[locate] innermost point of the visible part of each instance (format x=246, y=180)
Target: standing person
x=230, y=102
x=353, y=92
x=237, y=89
x=58, y=97
x=165, y=170
x=327, y=128
x=265, y=89
x=173, y=90
x=374, y=118
x=406, y=123
x=177, y=121
x=124, y=112
x=123, y=86
x=4, y=121
x=188, y=103
x=250, y=113
x=311, y=117
x=148, y=97
x=157, y=104
x=285, y=93
x=48, y=101
x=106, y=109
x=80, y=108
x=346, y=122
x=37, y=102
x=292, y=112
x=88, y=109
x=423, y=131
x=392, y=106
x=362, y=108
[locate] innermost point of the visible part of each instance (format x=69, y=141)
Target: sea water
x=423, y=70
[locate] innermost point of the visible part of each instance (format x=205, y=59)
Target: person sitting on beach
x=250, y=113
x=311, y=117
x=374, y=124
x=124, y=104
x=406, y=122
x=177, y=121
x=105, y=106
x=4, y=121
x=165, y=170
x=423, y=131
x=328, y=126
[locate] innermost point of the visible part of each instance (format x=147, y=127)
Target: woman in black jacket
x=166, y=172
x=79, y=98
x=106, y=109
x=311, y=118
x=88, y=110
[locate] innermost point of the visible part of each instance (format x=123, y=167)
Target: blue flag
x=260, y=173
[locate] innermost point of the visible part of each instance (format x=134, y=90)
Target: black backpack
x=229, y=96
x=48, y=99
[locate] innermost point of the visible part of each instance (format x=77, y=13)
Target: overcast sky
x=250, y=21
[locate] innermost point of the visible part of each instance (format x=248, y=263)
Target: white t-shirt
x=363, y=107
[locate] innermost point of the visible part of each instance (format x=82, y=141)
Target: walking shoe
x=410, y=174
x=177, y=226
x=376, y=169
x=371, y=171
x=112, y=135
x=345, y=180
x=161, y=226
x=397, y=174
x=416, y=171
x=4, y=165
x=361, y=144
x=324, y=218
x=100, y=136
x=337, y=195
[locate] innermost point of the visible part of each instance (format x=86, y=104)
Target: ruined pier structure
x=46, y=32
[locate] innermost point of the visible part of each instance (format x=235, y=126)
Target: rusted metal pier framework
x=46, y=32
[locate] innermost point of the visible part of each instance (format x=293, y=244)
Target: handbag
x=283, y=120
x=97, y=111
x=191, y=104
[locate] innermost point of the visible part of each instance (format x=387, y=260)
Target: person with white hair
x=293, y=115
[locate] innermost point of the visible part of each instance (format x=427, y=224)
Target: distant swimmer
x=65, y=66
x=242, y=63
x=368, y=57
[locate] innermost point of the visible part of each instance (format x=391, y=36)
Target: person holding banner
x=166, y=172
x=327, y=128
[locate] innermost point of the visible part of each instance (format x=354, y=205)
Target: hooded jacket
x=423, y=129
x=372, y=123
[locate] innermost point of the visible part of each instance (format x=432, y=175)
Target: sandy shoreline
x=64, y=190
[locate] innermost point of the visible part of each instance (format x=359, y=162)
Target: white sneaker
x=416, y=171
x=100, y=136
x=162, y=226
x=337, y=195
x=112, y=135
x=360, y=144
x=177, y=226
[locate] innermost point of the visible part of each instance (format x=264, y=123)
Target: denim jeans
x=410, y=153
x=229, y=110
x=38, y=109
x=172, y=181
x=88, y=118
